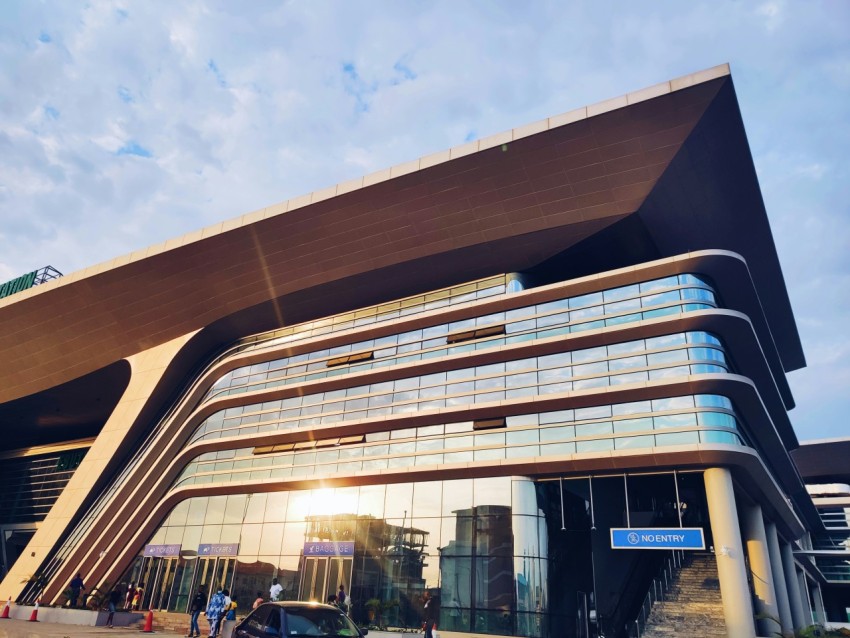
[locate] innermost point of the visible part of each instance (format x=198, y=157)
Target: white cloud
x=243, y=105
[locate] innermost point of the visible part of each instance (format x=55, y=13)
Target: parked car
x=296, y=620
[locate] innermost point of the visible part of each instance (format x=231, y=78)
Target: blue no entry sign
x=657, y=538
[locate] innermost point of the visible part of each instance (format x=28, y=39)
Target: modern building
x=464, y=374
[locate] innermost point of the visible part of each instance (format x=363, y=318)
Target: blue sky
x=123, y=124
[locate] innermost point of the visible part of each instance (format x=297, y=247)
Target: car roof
x=294, y=604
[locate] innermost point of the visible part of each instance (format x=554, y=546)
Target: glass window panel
x=716, y=419
x=672, y=403
x=594, y=429
x=554, y=449
x=622, y=306
x=633, y=425
x=457, y=457
x=666, y=373
x=403, y=448
x=429, y=430
x=671, y=356
x=399, y=498
x=622, y=292
x=711, y=436
x=492, y=491
x=599, y=367
x=457, y=495
x=497, y=438
x=215, y=510
x=627, y=362
x=594, y=412
x=677, y=438
x=523, y=451
x=489, y=455
x=712, y=401
x=457, y=442
x=429, y=445
x=522, y=436
x=586, y=300
x=675, y=420
x=561, y=416
x=256, y=508
x=294, y=534
x=557, y=433
x=628, y=442
x=598, y=445
x=632, y=377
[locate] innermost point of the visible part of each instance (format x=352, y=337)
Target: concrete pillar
x=818, y=600
x=795, y=597
x=779, y=579
x=807, y=603
x=766, y=608
x=731, y=568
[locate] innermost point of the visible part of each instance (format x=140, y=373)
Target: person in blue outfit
x=215, y=610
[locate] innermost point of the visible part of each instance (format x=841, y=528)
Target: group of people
x=220, y=608
x=341, y=600
x=132, y=598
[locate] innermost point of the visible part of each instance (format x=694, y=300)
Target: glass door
x=314, y=581
x=212, y=573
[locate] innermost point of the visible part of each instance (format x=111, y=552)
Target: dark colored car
x=296, y=620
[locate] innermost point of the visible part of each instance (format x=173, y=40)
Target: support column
x=794, y=595
x=807, y=603
x=731, y=569
x=819, y=608
x=779, y=579
x=766, y=608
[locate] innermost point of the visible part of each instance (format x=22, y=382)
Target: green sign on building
x=17, y=285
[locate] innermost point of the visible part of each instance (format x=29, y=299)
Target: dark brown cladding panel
x=458, y=217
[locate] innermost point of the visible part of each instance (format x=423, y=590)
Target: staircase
x=691, y=606
x=171, y=622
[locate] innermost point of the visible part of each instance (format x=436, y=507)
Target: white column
x=779, y=579
x=795, y=597
x=731, y=568
x=807, y=603
x=819, y=608
x=766, y=607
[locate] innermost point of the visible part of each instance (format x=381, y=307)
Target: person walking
x=128, y=599
x=215, y=610
x=343, y=601
x=137, y=597
x=275, y=590
x=114, y=601
x=431, y=613
x=76, y=586
x=197, y=607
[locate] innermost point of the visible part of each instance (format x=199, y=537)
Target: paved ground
x=24, y=629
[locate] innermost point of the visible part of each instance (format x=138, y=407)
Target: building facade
x=462, y=375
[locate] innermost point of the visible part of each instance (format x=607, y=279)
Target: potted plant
x=373, y=609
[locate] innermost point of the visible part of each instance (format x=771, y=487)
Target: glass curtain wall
x=500, y=555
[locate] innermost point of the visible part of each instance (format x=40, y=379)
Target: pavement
x=11, y=628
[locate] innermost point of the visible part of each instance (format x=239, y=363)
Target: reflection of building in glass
x=469, y=369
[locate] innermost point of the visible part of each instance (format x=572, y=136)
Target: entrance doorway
x=213, y=573
x=322, y=575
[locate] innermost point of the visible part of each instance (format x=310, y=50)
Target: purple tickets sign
x=162, y=551
x=342, y=548
x=218, y=549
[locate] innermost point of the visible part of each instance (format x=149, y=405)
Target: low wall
x=82, y=617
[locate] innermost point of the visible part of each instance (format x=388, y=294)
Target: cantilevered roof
x=647, y=175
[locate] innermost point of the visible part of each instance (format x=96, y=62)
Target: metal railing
x=659, y=590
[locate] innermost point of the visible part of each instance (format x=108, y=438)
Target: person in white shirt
x=275, y=590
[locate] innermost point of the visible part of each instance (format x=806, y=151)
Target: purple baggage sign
x=329, y=548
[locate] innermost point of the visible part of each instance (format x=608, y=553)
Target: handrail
x=661, y=586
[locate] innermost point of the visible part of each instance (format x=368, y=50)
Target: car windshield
x=317, y=621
